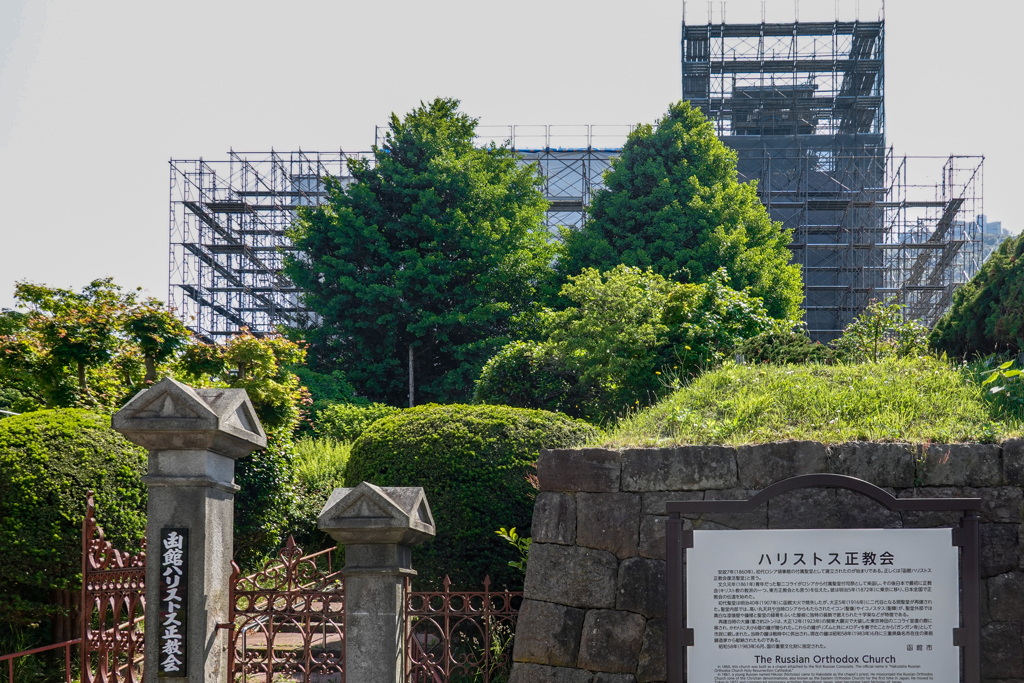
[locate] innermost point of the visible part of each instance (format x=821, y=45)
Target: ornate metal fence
x=288, y=620
x=460, y=636
x=113, y=607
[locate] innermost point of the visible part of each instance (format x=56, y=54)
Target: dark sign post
x=173, y=638
x=793, y=603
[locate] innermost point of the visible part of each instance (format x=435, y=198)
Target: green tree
x=708, y=321
x=418, y=267
x=987, y=315
x=91, y=348
x=673, y=204
x=626, y=334
x=612, y=335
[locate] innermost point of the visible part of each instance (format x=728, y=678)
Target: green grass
x=919, y=400
x=321, y=463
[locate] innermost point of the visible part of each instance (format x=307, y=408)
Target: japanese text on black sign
x=173, y=602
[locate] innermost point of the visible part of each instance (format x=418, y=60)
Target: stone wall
x=595, y=582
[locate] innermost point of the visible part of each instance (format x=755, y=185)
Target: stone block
x=642, y=587
x=857, y=511
x=554, y=518
x=762, y=465
x=930, y=520
x=611, y=641
x=569, y=575
x=757, y=519
x=882, y=464
x=653, y=654
x=961, y=464
x=652, y=535
x=547, y=633
x=687, y=468
x=1013, y=462
x=1006, y=597
x=609, y=521
x=654, y=501
x=523, y=672
x=804, y=509
x=587, y=469
x=1000, y=550
x=1001, y=653
x=999, y=504
x=614, y=678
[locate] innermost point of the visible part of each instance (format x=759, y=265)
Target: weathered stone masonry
x=595, y=582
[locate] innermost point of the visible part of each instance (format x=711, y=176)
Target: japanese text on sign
x=823, y=605
x=173, y=602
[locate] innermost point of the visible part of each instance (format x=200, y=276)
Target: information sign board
x=850, y=605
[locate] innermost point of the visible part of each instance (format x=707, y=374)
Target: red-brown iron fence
x=288, y=620
x=113, y=607
x=460, y=636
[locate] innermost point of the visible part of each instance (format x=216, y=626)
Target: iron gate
x=288, y=618
x=113, y=607
x=460, y=636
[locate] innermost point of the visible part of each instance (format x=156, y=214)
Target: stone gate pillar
x=379, y=527
x=194, y=437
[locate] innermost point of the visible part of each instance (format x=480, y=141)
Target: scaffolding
x=228, y=237
x=803, y=106
x=229, y=219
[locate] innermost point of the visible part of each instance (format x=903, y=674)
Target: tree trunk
x=150, y=369
x=82, y=386
x=412, y=383
x=65, y=625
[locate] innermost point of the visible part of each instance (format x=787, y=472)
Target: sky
x=96, y=97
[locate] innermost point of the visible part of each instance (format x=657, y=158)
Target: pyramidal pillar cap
x=174, y=416
x=369, y=514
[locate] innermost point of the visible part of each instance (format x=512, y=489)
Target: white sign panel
x=849, y=605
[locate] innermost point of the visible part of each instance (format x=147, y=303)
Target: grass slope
x=912, y=399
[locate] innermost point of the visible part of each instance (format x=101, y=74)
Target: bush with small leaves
x=474, y=462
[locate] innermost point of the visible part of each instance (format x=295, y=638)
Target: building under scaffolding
x=228, y=237
x=803, y=106
x=228, y=219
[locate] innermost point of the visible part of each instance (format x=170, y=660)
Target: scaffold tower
x=803, y=105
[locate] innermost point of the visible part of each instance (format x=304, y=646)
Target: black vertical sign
x=173, y=629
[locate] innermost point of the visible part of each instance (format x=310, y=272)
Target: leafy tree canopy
x=434, y=247
x=93, y=348
x=673, y=204
x=987, y=315
x=626, y=335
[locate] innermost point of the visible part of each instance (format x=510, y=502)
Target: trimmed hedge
x=49, y=459
x=526, y=374
x=346, y=421
x=474, y=463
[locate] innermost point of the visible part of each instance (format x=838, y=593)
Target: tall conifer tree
x=673, y=203
x=417, y=268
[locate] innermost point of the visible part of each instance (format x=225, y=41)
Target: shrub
x=474, y=462
x=782, y=347
x=346, y=421
x=319, y=469
x=48, y=461
x=987, y=315
x=534, y=375
x=880, y=331
x=627, y=331
x=707, y=320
